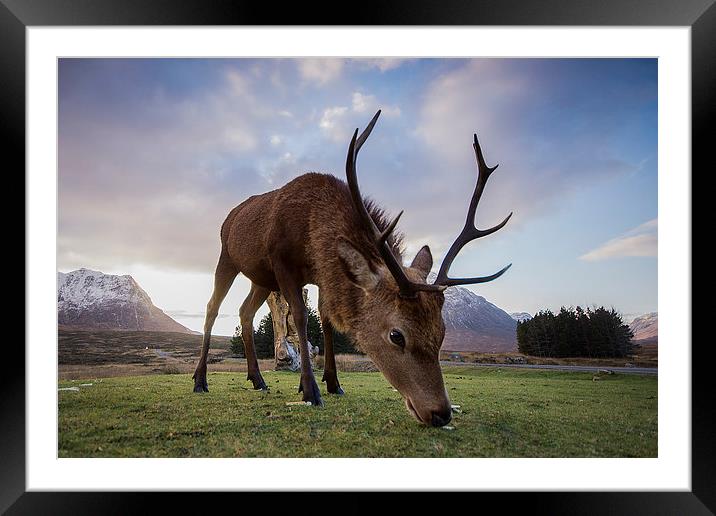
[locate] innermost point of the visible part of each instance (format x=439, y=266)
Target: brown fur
x=308, y=232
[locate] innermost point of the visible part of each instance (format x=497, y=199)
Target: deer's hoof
x=312, y=393
x=332, y=385
x=201, y=387
x=260, y=386
x=258, y=381
x=338, y=391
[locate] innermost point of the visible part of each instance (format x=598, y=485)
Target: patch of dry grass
x=646, y=356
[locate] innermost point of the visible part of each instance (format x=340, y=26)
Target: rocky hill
x=646, y=326
x=89, y=299
x=472, y=323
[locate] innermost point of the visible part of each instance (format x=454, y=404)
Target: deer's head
x=401, y=326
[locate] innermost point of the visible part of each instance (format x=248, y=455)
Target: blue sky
x=153, y=153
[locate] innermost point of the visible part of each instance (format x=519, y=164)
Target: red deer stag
x=317, y=229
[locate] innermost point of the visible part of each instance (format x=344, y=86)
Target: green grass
x=505, y=413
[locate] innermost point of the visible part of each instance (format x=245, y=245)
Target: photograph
x=426, y=248
x=357, y=257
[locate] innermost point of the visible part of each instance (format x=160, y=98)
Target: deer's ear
x=356, y=266
x=423, y=261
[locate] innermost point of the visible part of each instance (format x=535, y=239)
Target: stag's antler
x=470, y=231
x=407, y=287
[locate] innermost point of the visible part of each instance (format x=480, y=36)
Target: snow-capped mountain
x=520, y=316
x=89, y=299
x=472, y=323
x=645, y=326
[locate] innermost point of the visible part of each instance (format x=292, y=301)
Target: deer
x=320, y=230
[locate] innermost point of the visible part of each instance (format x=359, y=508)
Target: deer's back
x=290, y=224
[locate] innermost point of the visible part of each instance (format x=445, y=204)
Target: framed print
x=211, y=153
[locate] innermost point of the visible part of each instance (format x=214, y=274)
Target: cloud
x=239, y=138
x=368, y=103
x=331, y=123
x=362, y=102
x=154, y=154
x=320, y=71
x=330, y=117
x=640, y=241
x=383, y=64
x=150, y=179
x=335, y=120
x=551, y=134
x=238, y=83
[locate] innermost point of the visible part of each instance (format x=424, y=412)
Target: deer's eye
x=397, y=338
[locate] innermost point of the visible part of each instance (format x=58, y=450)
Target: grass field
x=504, y=413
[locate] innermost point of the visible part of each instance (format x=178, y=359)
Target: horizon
x=179, y=315
x=154, y=153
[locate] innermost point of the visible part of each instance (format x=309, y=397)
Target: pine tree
x=263, y=337
x=574, y=332
x=315, y=333
x=237, y=343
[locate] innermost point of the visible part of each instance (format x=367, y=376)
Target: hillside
x=91, y=300
x=103, y=353
x=646, y=328
x=472, y=323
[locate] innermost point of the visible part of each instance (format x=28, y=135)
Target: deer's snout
x=441, y=417
x=436, y=418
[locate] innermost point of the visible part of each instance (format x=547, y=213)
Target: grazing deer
x=317, y=229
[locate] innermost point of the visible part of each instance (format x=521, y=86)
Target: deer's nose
x=442, y=417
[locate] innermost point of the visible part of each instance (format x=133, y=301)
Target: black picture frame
x=700, y=15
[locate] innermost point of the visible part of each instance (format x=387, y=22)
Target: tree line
x=263, y=337
x=576, y=332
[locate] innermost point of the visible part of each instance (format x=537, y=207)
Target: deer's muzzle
x=436, y=418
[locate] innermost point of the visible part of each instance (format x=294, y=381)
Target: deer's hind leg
x=223, y=278
x=330, y=372
x=248, y=309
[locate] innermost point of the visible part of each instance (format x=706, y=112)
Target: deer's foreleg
x=308, y=385
x=330, y=372
x=293, y=292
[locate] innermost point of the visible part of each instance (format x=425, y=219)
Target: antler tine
x=366, y=132
x=388, y=230
x=380, y=238
x=469, y=231
x=353, y=187
x=450, y=282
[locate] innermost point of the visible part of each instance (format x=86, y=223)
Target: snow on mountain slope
x=521, y=316
x=89, y=299
x=472, y=323
x=645, y=326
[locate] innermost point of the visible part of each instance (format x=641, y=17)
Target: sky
x=154, y=153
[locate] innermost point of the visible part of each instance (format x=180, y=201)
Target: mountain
x=520, y=316
x=474, y=324
x=89, y=299
x=646, y=326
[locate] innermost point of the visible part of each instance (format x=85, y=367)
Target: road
x=586, y=369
